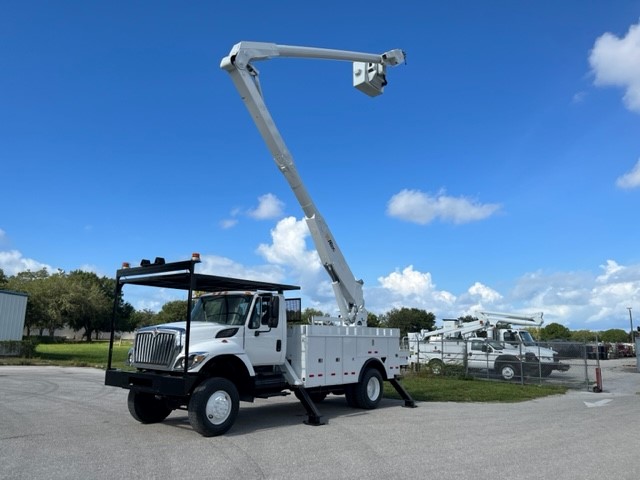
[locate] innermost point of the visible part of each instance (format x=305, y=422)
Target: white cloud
x=4, y=239
x=484, y=293
x=579, y=97
x=12, y=262
x=408, y=282
x=289, y=246
x=288, y=251
x=228, y=223
x=582, y=299
x=421, y=208
x=225, y=267
x=616, y=61
x=269, y=206
x=407, y=288
x=630, y=179
x=579, y=300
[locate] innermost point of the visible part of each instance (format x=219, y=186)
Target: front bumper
x=151, y=382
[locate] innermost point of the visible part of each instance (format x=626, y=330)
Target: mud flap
x=408, y=401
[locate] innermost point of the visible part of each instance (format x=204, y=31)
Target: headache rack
x=178, y=276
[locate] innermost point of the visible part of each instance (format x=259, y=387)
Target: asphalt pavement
x=64, y=423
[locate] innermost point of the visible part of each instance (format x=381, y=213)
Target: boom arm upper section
x=369, y=76
x=493, y=318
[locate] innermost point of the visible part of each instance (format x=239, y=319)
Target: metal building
x=13, y=307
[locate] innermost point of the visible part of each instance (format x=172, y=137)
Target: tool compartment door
x=314, y=354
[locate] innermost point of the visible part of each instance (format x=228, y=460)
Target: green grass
x=431, y=388
x=422, y=386
x=94, y=354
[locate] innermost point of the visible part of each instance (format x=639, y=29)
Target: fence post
x=465, y=360
x=598, y=387
x=523, y=363
x=586, y=367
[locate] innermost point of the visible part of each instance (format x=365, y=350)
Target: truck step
x=270, y=382
x=273, y=394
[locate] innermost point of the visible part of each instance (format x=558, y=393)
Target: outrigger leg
x=408, y=401
x=313, y=414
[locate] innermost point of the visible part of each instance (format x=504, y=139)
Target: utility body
x=239, y=340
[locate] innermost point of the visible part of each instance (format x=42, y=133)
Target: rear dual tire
x=367, y=393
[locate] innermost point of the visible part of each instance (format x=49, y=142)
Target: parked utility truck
x=236, y=341
x=500, y=327
x=450, y=345
x=489, y=343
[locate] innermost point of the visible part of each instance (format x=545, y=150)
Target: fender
x=222, y=347
x=375, y=363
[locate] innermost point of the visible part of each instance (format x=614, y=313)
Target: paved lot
x=63, y=423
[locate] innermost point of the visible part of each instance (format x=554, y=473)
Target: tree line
x=80, y=300
x=83, y=301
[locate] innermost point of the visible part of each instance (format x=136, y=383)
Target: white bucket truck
x=235, y=342
x=489, y=343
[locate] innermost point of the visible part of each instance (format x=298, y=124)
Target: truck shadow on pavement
x=268, y=415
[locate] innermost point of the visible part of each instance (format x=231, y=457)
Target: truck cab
x=244, y=324
x=521, y=339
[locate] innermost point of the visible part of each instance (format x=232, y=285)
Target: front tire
x=213, y=407
x=146, y=407
x=508, y=371
x=368, y=392
x=436, y=366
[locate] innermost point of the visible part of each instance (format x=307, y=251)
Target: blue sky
x=499, y=171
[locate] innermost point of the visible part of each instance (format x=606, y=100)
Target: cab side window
x=256, y=315
x=260, y=314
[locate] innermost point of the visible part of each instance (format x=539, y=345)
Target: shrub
x=18, y=348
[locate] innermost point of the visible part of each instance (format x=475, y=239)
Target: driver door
x=263, y=341
x=478, y=354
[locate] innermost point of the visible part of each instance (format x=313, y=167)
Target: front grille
x=157, y=348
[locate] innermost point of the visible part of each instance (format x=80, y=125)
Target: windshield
x=527, y=339
x=222, y=309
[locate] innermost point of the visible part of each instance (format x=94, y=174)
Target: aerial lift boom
x=458, y=329
x=369, y=76
x=493, y=318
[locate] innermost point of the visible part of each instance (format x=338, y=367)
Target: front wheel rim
x=218, y=407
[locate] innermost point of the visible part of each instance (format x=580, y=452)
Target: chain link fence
x=570, y=364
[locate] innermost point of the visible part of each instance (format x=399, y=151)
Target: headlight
x=129, y=360
x=194, y=360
